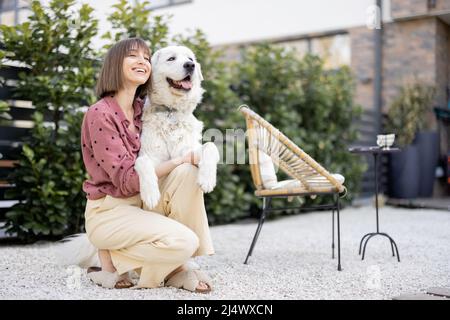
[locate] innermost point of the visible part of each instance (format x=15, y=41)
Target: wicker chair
x=269, y=147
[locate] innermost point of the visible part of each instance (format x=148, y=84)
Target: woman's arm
x=166, y=167
x=113, y=157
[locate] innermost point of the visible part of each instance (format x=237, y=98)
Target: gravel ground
x=292, y=260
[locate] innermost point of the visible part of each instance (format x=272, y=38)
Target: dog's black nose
x=189, y=66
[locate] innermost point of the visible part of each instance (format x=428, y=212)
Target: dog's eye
x=191, y=59
x=171, y=59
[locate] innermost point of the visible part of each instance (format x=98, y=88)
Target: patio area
x=292, y=260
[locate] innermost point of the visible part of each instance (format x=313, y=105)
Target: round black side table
x=376, y=152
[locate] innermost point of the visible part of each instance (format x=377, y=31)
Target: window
x=299, y=47
x=333, y=49
x=14, y=12
x=158, y=4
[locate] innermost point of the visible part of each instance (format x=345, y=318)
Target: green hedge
x=55, y=44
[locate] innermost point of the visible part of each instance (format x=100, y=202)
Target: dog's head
x=176, y=78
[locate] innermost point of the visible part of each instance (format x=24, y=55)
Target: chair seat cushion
x=293, y=183
x=295, y=187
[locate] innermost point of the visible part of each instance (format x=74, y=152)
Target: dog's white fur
x=168, y=135
x=163, y=137
x=77, y=250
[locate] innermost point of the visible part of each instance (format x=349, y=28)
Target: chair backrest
x=291, y=159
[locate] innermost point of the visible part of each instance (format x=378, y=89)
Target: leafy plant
x=55, y=45
x=408, y=113
x=137, y=20
x=48, y=179
x=4, y=109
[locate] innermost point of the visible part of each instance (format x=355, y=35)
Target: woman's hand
x=191, y=158
x=166, y=167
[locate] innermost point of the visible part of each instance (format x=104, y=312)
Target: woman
x=157, y=244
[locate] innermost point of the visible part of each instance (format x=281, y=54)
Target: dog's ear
x=155, y=57
x=199, y=68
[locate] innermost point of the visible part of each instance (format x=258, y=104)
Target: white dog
x=169, y=130
x=169, y=127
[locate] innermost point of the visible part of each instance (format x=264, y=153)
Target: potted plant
x=412, y=171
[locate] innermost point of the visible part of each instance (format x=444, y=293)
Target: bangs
x=137, y=45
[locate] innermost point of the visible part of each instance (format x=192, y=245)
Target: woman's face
x=136, y=67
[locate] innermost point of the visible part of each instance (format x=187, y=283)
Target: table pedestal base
x=369, y=236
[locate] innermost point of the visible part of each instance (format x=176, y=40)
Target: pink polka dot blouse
x=110, y=149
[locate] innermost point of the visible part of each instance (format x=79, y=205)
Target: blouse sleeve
x=112, y=155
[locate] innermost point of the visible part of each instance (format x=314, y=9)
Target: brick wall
x=410, y=8
x=404, y=8
x=412, y=49
x=409, y=53
x=441, y=5
x=442, y=62
x=363, y=65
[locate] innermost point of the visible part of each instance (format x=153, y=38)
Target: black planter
x=428, y=144
x=404, y=173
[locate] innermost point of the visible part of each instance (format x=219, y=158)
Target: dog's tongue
x=186, y=84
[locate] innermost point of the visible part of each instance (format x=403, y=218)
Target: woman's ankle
x=105, y=261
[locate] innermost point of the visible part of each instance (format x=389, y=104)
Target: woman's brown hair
x=111, y=75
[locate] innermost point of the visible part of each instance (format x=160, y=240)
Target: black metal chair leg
x=255, y=237
x=332, y=234
x=338, y=233
x=266, y=206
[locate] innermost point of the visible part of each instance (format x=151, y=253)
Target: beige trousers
x=153, y=242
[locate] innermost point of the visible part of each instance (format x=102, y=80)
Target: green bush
x=48, y=178
x=54, y=44
x=4, y=108
x=137, y=20
x=4, y=112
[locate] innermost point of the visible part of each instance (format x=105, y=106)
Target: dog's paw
x=150, y=196
x=207, y=177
